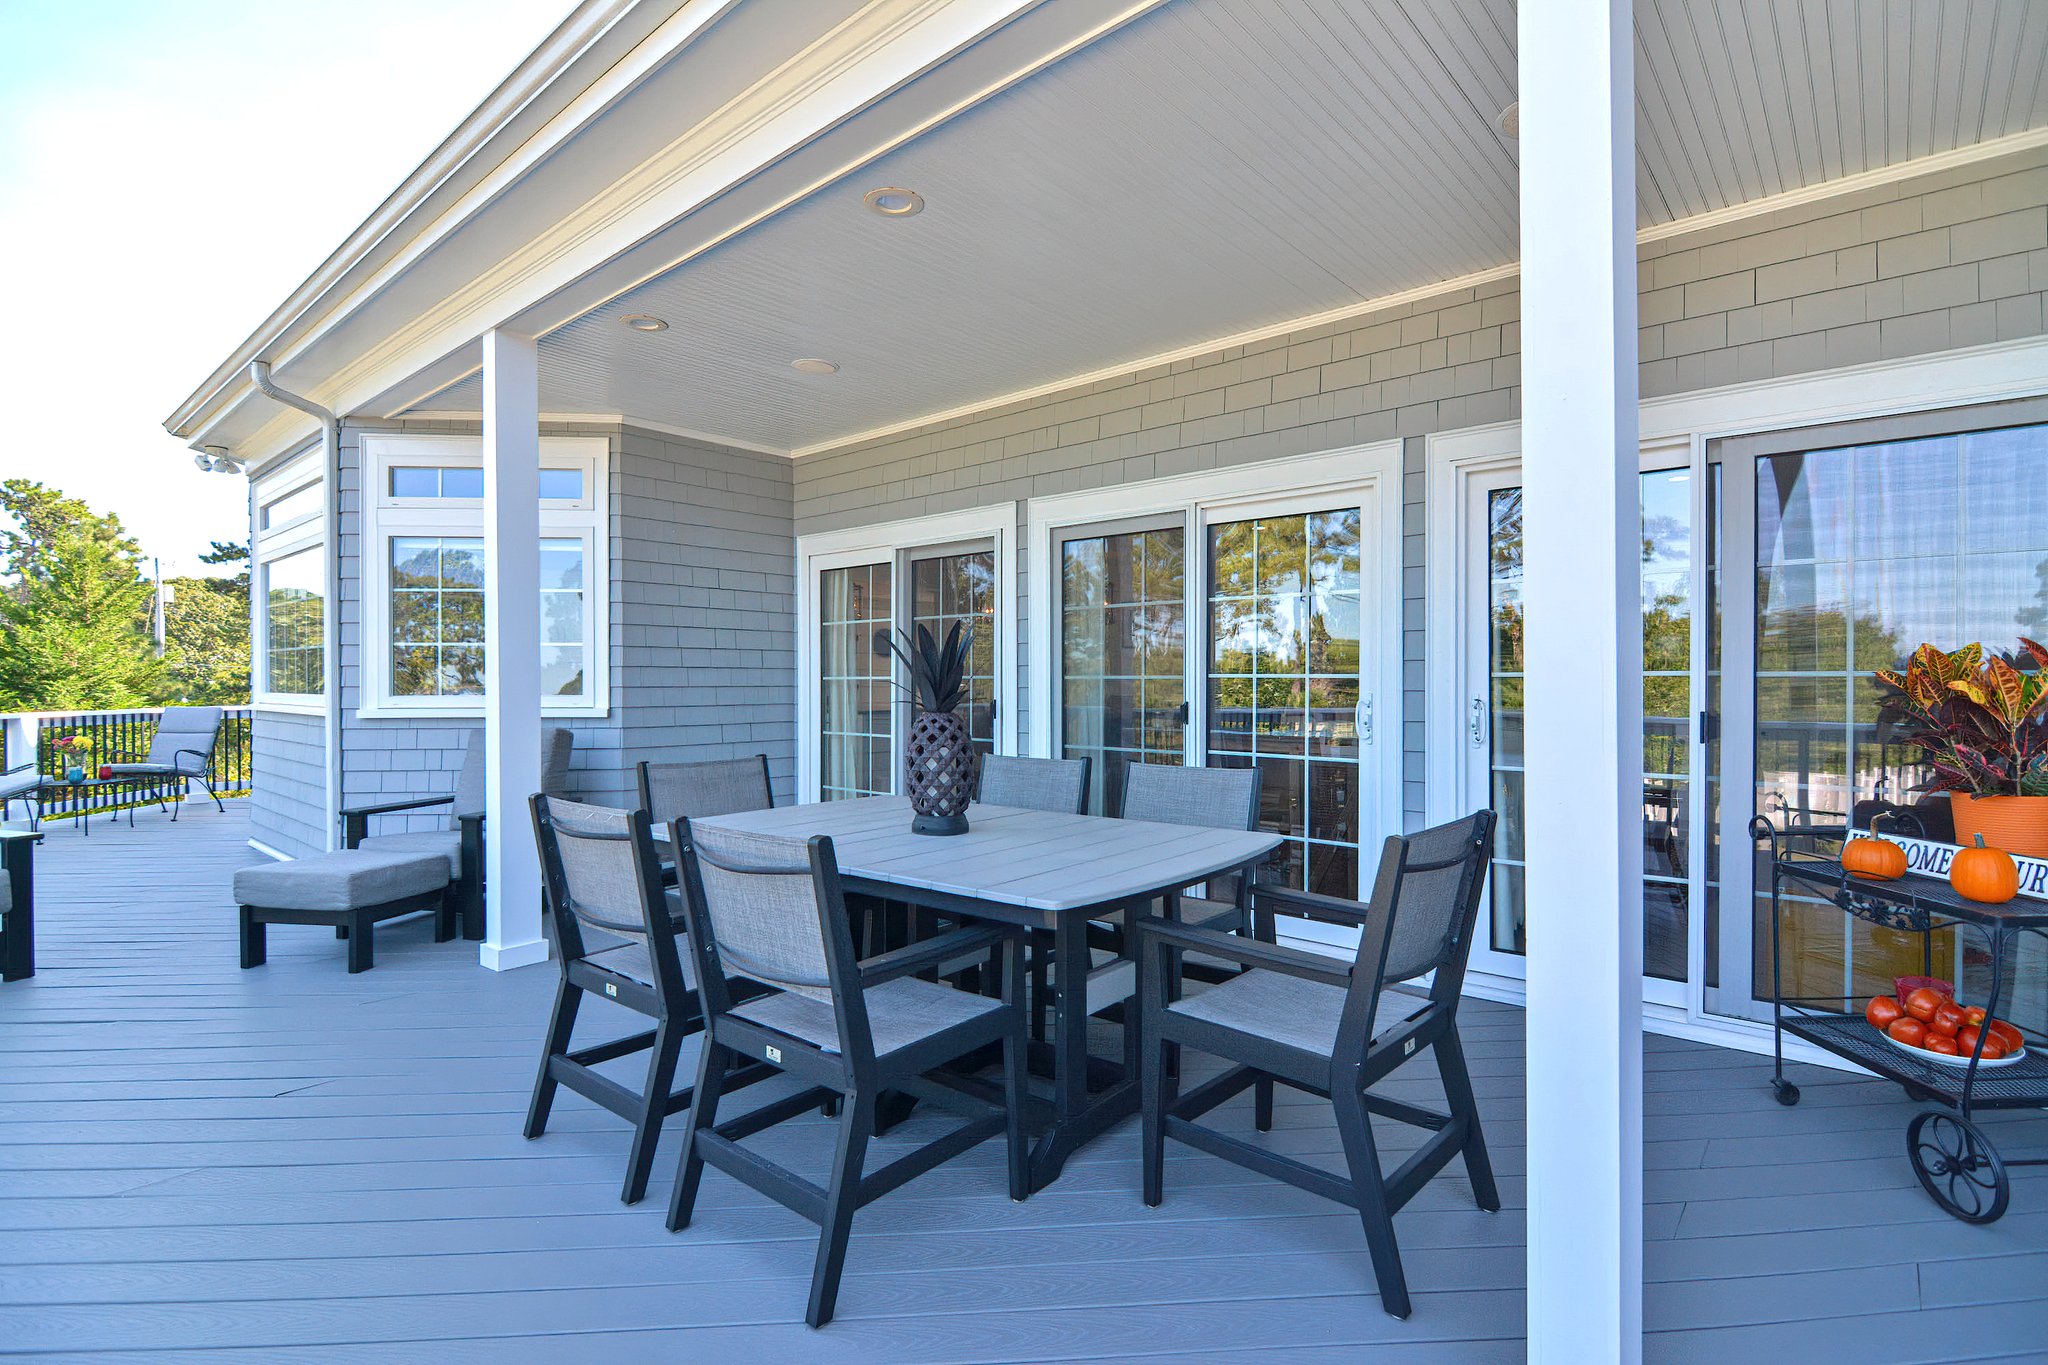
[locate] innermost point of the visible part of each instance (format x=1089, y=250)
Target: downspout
x=330, y=645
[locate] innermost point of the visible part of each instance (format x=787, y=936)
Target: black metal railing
x=116, y=737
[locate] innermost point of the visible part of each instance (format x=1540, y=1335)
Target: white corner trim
x=994, y=522
x=510, y=956
x=275, y=855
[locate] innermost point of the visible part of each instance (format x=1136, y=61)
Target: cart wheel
x=1958, y=1166
x=1918, y=1094
x=1787, y=1093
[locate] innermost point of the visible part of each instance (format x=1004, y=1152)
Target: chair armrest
x=1309, y=904
x=393, y=807
x=932, y=952
x=205, y=756
x=1156, y=933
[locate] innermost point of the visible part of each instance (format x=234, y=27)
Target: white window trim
x=1959, y=378
x=1200, y=499
x=383, y=516
x=269, y=544
x=995, y=524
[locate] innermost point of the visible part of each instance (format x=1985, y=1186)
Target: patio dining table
x=1042, y=870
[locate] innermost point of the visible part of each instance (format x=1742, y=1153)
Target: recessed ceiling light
x=1509, y=120
x=893, y=201
x=814, y=366
x=644, y=322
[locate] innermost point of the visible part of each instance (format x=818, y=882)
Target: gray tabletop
x=1036, y=860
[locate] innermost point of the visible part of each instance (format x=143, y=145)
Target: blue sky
x=169, y=171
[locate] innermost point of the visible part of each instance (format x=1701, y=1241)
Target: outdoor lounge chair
x=1310, y=1022
x=462, y=840
x=771, y=910
x=180, y=752
x=1054, y=784
x=615, y=934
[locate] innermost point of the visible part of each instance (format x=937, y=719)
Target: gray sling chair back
x=1310, y=1022
x=614, y=933
x=770, y=911
x=691, y=791
x=1054, y=784
x=180, y=752
x=461, y=839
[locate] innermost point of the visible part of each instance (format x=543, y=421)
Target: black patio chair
x=615, y=935
x=180, y=753
x=461, y=839
x=1052, y=784
x=1307, y=1021
x=771, y=911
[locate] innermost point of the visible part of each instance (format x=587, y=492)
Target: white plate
x=1943, y=1059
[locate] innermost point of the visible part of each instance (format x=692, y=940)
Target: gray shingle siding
x=1951, y=259
x=288, y=762
x=702, y=649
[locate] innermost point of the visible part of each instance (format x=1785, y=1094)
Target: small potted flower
x=76, y=749
x=1983, y=725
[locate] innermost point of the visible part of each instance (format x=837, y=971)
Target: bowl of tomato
x=1930, y=1024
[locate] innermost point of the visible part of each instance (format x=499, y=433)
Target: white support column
x=512, y=933
x=1583, y=656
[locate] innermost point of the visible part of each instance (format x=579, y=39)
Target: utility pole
x=157, y=615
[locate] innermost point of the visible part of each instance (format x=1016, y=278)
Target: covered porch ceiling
x=1134, y=182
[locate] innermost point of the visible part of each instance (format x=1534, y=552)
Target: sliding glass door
x=1251, y=651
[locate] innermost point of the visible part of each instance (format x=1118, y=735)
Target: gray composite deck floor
x=198, y=1162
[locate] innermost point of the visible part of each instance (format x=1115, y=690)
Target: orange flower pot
x=2017, y=824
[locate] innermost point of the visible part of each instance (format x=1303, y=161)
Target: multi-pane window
x=290, y=507
x=294, y=609
x=1123, y=655
x=1863, y=554
x=1284, y=683
x=437, y=617
x=960, y=588
x=856, y=700
x=425, y=578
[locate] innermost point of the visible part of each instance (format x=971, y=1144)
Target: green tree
x=74, y=612
x=206, y=641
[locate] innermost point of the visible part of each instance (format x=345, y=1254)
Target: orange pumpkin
x=1876, y=859
x=1984, y=874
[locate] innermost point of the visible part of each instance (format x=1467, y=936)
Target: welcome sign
x=1930, y=859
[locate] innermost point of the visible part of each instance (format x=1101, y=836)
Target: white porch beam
x=1583, y=656
x=512, y=931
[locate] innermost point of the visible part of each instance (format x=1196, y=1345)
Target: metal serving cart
x=1951, y=1152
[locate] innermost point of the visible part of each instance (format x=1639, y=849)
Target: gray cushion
x=1286, y=1009
x=556, y=744
x=180, y=728
x=900, y=1012
x=445, y=842
x=352, y=879
x=19, y=783
x=183, y=766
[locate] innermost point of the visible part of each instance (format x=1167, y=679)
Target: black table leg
x=18, y=944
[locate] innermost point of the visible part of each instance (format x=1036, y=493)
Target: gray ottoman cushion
x=445, y=842
x=348, y=880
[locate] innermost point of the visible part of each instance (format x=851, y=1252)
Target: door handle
x=1478, y=724
x=1364, y=720
x=1180, y=714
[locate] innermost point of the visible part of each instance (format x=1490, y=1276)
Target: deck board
x=201, y=1163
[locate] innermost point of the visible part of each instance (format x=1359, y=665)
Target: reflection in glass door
x=856, y=710
x=949, y=588
x=1123, y=654
x=1283, y=682
x=1495, y=718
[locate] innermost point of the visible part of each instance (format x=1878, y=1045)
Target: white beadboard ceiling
x=1223, y=165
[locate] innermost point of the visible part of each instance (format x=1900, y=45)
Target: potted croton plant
x=1983, y=724
x=938, y=759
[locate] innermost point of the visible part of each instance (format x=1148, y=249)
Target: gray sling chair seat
x=614, y=933
x=771, y=911
x=1310, y=1022
x=690, y=791
x=180, y=752
x=461, y=839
